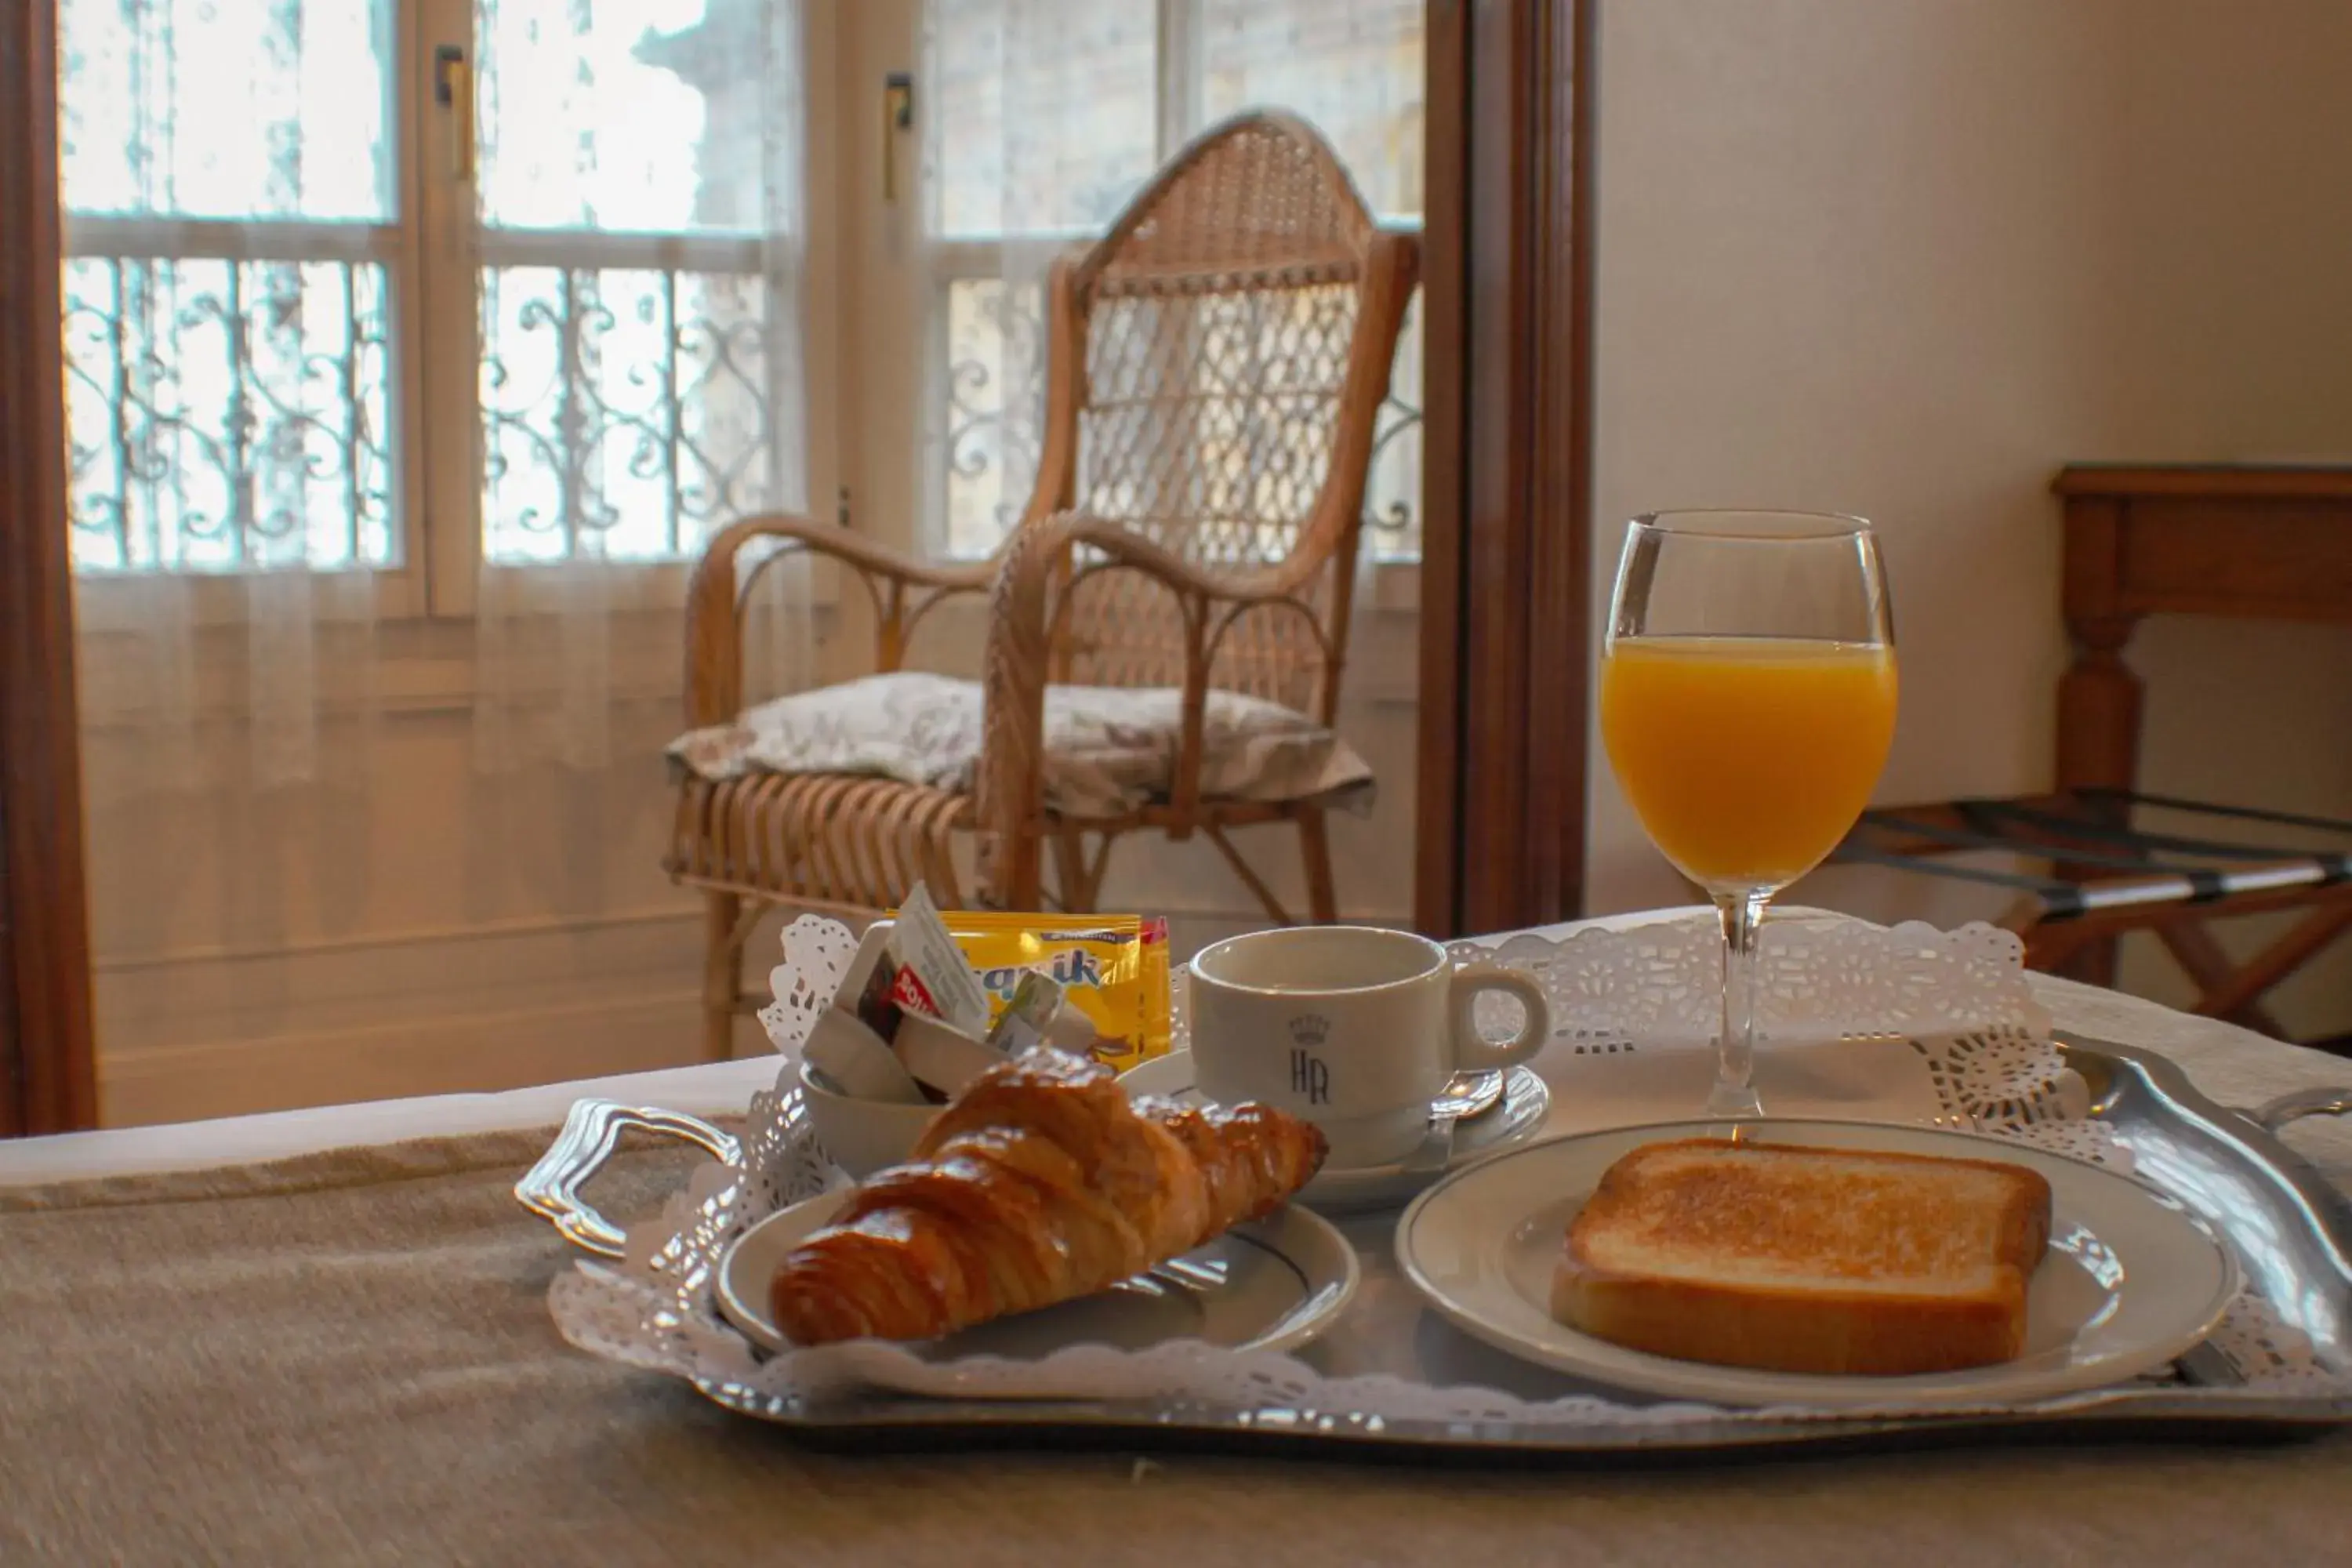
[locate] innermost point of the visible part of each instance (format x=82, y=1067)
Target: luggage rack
x=2106, y=876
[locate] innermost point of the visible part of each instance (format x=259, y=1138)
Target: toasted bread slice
x=1794, y=1260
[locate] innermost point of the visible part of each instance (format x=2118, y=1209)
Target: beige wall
x=402, y=928
x=1850, y=258
x=1906, y=258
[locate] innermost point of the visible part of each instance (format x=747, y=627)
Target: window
x=229, y=290
x=1128, y=82
x=533, y=313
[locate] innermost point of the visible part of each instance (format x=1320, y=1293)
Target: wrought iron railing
x=227, y=414
x=626, y=412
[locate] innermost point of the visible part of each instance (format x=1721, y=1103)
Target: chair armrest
x=1032, y=579
x=903, y=588
x=1254, y=586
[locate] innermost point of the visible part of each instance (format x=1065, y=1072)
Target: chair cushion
x=1108, y=749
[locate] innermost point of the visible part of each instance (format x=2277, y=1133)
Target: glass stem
x=1735, y=1087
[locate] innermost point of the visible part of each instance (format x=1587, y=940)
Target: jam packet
x=1112, y=970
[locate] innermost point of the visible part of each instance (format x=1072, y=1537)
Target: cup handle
x=1473, y=1052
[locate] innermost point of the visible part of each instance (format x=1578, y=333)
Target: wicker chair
x=1217, y=363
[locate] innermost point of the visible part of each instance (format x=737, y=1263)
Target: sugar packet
x=921, y=969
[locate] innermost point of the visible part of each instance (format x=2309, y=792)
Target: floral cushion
x=1108, y=749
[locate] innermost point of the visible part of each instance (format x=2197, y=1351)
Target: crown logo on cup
x=1310, y=1029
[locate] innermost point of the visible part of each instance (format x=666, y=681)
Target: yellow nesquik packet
x=1113, y=969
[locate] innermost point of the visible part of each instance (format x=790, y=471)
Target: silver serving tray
x=2291, y=1230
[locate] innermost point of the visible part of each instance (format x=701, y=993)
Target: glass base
x=1735, y=1101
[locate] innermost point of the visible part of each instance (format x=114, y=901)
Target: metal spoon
x=1468, y=1096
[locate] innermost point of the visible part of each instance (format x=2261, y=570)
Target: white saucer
x=2132, y=1279
x=1520, y=1116
x=1270, y=1284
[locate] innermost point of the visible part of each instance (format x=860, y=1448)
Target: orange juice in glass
x=1747, y=758
x=1746, y=704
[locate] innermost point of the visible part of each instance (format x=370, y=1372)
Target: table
x=2246, y=541
x=494, y=1443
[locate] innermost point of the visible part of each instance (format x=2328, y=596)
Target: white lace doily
x=1985, y=1036
x=1961, y=998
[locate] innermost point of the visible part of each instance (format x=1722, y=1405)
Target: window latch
x=897, y=114
x=452, y=89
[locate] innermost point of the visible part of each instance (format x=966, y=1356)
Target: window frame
x=433, y=246
x=118, y=602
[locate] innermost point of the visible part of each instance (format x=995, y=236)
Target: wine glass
x=1747, y=703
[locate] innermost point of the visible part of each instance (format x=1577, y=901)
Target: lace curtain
x=358, y=399
x=647, y=392
x=230, y=237
x=1043, y=117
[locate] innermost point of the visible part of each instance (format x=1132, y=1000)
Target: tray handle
x=2274, y=1114
x=591, y=1133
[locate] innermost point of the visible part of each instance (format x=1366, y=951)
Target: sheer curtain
x=1045, y=116
x=640, y=245
x=379, y=410
x=228, y=175
x=511, y=368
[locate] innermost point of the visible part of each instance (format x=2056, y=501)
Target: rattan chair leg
x=1077, y=876
x=1250, y=879
x=1315, y=848
x=722, y=973
x=1070, y=871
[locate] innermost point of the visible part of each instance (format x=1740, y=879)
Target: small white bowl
x=863, y=1135
x=857, y=1061
x=939, y=1055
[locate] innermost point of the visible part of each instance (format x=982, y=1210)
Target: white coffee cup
x=1354, y=1028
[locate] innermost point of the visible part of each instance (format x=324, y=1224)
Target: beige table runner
x=347, y=1358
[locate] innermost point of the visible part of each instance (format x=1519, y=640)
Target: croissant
x=1040, y=1182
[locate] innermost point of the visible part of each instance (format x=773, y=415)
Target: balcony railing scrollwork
x=227, y=414
x=626, y=412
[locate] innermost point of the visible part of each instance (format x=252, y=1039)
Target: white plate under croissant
x=1271, y=1284
x=1041, y=1207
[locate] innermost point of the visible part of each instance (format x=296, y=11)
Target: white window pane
x=1042, y=112
x=628, y=115
x=996, y=406
x=1352, y=67
x=226, y=108
x=1392, y=490
x=226, y=415
x=629, y=411
x=626, y=412
x=1355, y=69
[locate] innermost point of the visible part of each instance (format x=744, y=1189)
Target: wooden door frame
x=1507, y=533
x=47, y=1068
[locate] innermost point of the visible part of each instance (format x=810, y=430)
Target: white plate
x=1527, y=1099
x=2131, y=1280
x=1269, y=1284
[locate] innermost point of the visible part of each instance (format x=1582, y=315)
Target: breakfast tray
x=1390, y=1377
